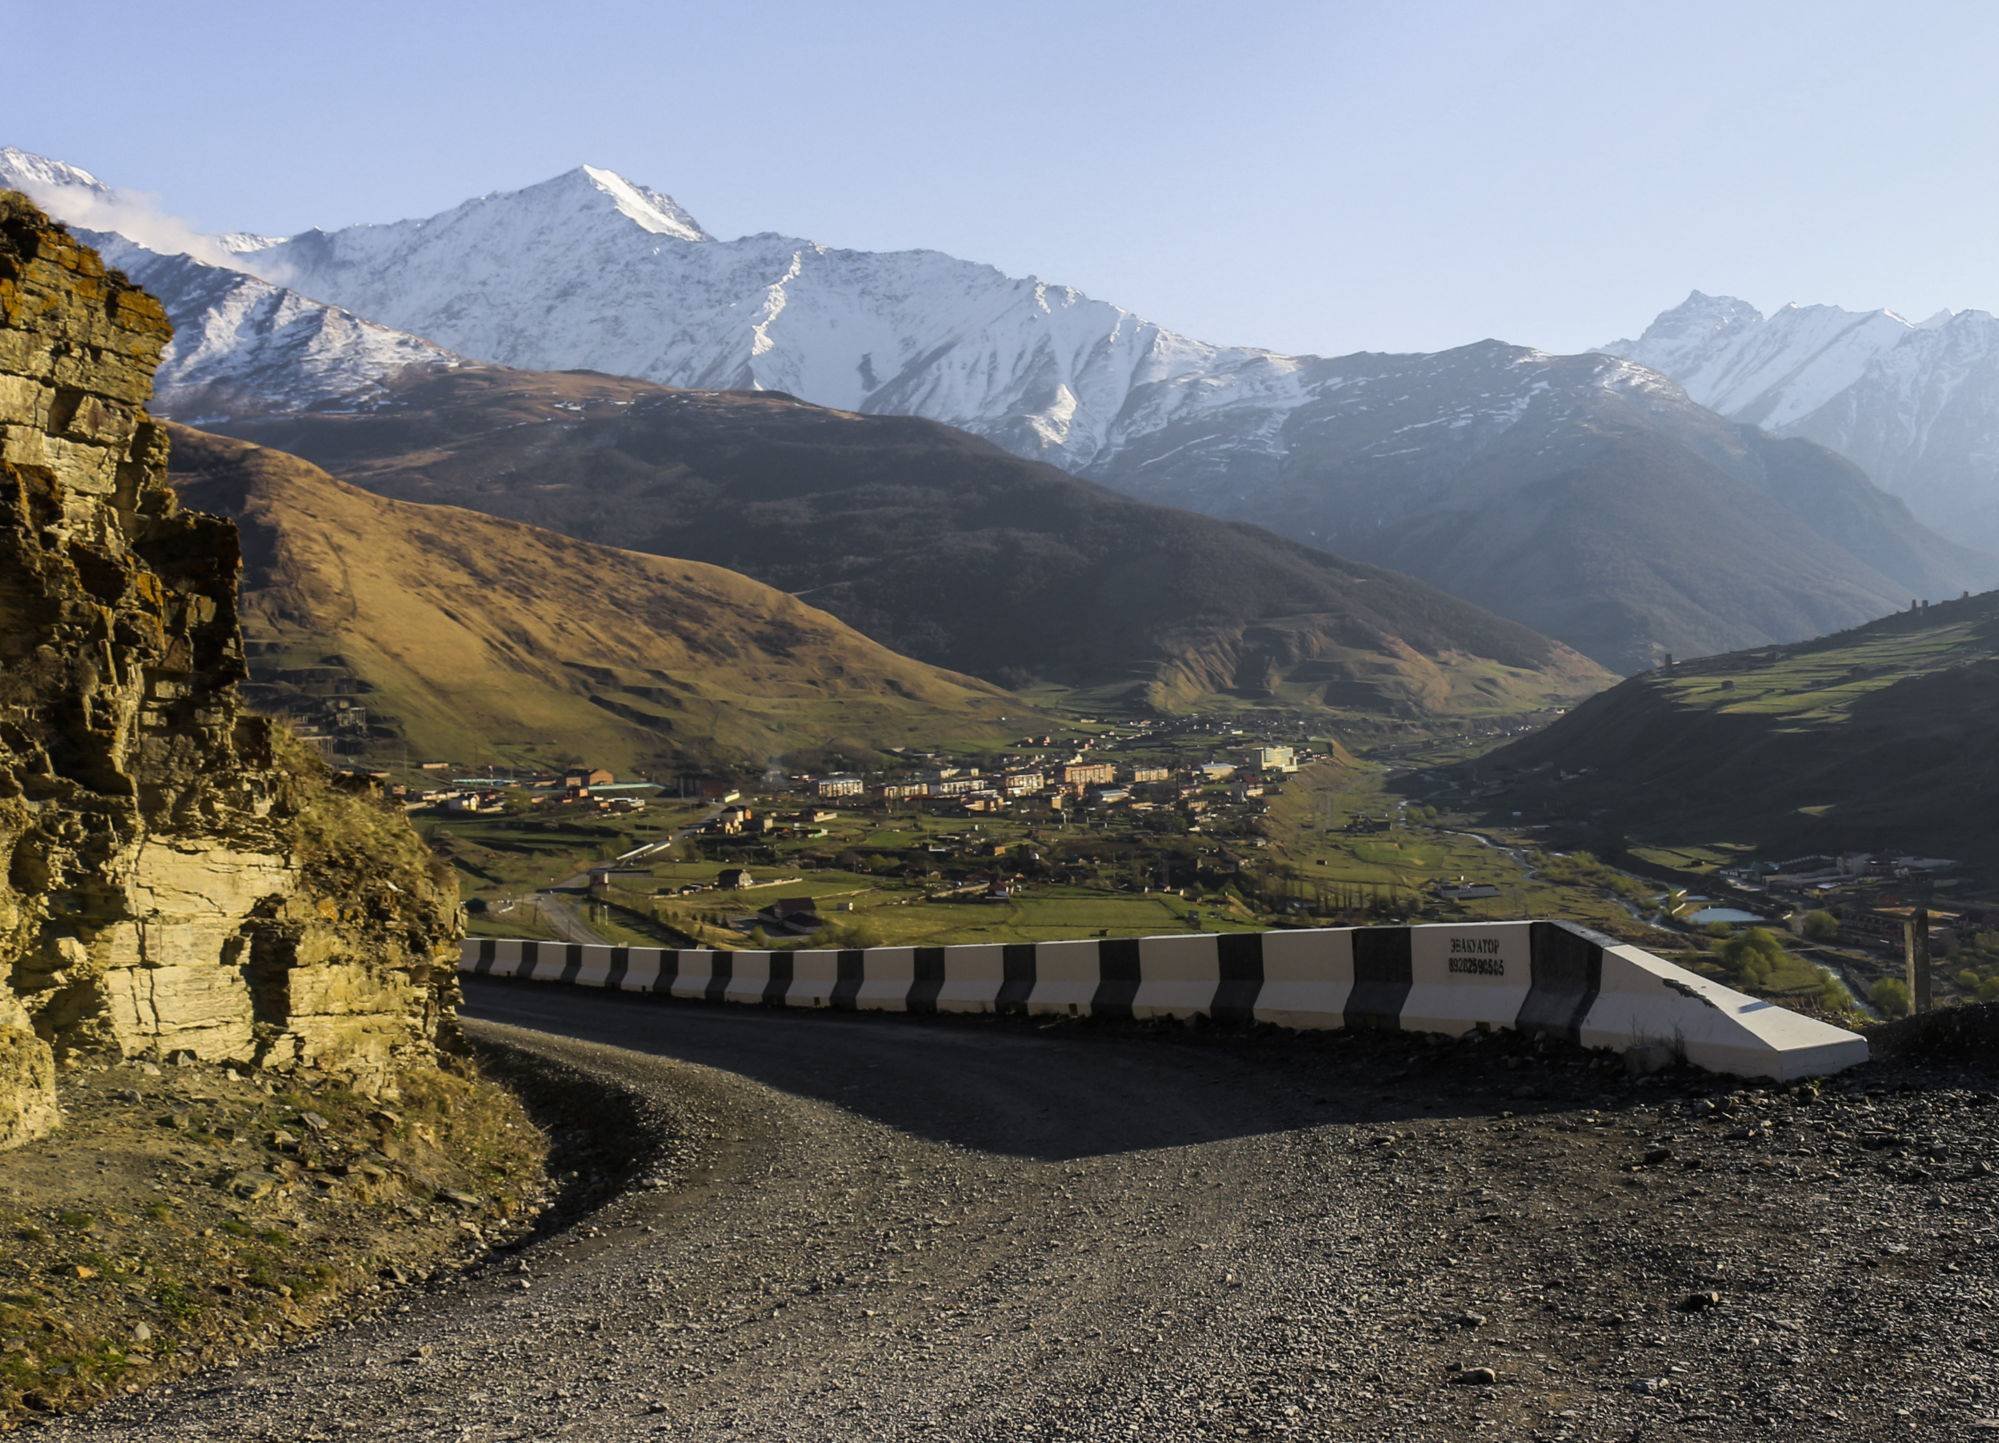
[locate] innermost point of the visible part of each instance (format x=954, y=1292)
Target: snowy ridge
x=1915, y=405
x=36, y=176
x=241, y=343
x=589, y=270
x=1534, y=484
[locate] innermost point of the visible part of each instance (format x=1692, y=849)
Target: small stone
x=1475, y=1377
x=141, y=1333
x=1698, y=1302
x=254, y=1183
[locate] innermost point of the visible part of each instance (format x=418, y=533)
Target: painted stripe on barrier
x=642, y=968
x=1065, y=978
x=487, y=950
x=507, y=958
x=926, y=979
x=721, y=969
x=1238, y=976
x=1118, y=977
x=974, y=977
x=852, y=967
x=693, y=969
x=594, y=968
x=551, y=960
x=1017, y=978
x=621, y=962
x=1308, y=977
x=779, y=985
x=1568, y=973
x=886, y=978
x=1177, y=977
x=572, y=962
x=1380, y=977
x=749, y=977
x=813, y=975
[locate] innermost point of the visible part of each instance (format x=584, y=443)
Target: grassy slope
x=1869, y=738
x=941, y=545
x=486, y=639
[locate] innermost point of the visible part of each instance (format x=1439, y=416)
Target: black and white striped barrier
x=1542, y=977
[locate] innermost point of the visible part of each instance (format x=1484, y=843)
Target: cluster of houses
x=1059, y=785
x=576, y=787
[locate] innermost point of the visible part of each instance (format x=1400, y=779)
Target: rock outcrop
x=175, y=875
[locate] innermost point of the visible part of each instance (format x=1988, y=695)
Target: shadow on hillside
x=1052, y=1091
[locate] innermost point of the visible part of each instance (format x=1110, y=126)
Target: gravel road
x=867, y=1227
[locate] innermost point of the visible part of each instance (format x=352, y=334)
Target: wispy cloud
x=138, y=217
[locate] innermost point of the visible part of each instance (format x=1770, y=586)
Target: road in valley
x=872, y=1227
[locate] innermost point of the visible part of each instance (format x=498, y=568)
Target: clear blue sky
x=1312, y=177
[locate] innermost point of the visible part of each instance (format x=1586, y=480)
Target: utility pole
x=1916, y=959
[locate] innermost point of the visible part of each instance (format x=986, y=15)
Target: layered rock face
x=173, y=878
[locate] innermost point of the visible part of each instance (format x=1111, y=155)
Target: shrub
x=1820, y=926
x=1755, y=956
x=1890, y=997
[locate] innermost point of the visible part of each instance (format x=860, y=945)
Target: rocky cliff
x=173, y=877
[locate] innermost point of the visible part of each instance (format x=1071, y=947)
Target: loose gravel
x=865, y=1227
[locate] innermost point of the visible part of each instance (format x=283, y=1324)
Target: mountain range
x=1914, y=403
x=1586, y=497
x=936, y=543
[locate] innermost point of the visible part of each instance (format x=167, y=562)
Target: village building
x=583, y=778
x=1271, y=759
x=791, y=916
x=844, y=784
x=1023, y=784
x=1081, y=775
x=1143, y=774
x=734, y=878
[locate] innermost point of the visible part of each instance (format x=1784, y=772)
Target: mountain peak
x=652, y=210
x=25, y=171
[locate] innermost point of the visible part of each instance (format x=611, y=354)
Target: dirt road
x=873, y=1227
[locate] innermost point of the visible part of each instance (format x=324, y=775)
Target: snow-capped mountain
x=1426, y=463
x=591, y=271
x=1587, y=496
x=1914, y=404
x=240, y=343
x=243, y=345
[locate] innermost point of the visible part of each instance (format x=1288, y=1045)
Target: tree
x=1890, y=997
x=1820, y=926
x=1756, y=956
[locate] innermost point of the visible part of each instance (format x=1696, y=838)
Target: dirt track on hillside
x=868, y=1227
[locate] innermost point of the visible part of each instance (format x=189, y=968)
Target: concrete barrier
x=1549, y=978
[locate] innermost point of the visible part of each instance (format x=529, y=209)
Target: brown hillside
x=938, y=544
x=476, y=638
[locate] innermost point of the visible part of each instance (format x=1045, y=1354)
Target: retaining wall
x=1541, y=977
